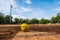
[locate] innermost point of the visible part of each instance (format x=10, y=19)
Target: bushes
x=24, y=27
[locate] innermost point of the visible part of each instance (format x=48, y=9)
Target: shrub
x=24, y=27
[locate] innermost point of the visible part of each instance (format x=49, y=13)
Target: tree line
x=6, y=20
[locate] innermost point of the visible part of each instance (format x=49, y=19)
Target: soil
x=37, y=36
x=37, y=32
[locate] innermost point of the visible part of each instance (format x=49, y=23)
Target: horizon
x=28, y=9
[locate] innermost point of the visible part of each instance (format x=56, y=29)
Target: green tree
x=58, y=17
x=47, y=21
x=34, y=21
x=1, y=18
x=7, y=19
x=53, y=20
x=20, y=20
x=44, y=21
x=27, y=21
x=16, y=20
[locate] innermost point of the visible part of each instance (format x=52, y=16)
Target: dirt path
x=36, y=36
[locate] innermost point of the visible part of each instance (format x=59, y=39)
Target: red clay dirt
x=36, y=36
x=37, y=32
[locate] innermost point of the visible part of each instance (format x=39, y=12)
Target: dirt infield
x=36, y=32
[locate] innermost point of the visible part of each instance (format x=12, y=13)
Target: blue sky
x=31, y=8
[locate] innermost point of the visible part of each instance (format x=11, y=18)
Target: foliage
x=20, y=21
x=53, y=20
x=44, y=21
x=5, y=19
x=27, y=21
x=16, y=20
x=34, y=21
x=1, y=18
x=56, y=19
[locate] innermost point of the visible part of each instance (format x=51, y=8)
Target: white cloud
x=25, y=9
x=5, y=5
x=58, y=2
x=18, y=16
x=37, y=13
x=58, y=8
x=17, y=10
x=18, y=13
x=28, y=1
x=52, y=12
